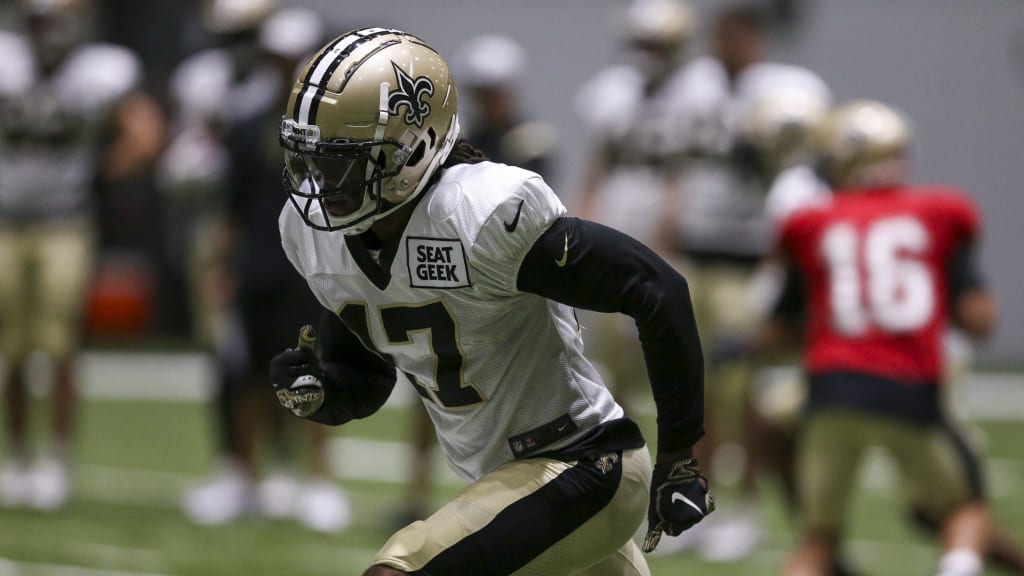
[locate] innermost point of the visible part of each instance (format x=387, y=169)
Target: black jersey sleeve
x=356, y=380
x=593, y=267
x=790, y=304
x=963, y=273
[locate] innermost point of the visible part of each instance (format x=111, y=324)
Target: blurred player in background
x=222, y=176
x=631, y=113
x=273, y=302
x=721, y=235
x=800, y=185
x=463, y=274
x=490, y=71
x=774, y=136
x=71, y=111
x=882, y=267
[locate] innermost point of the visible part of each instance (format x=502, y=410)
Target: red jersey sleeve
x=957, y=213
x=796, y=230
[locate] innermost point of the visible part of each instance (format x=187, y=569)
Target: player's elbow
x=371, y=400
x=357, y=393
x=975, y=313
x=366, y=397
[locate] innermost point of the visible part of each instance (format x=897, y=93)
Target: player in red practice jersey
x=883, y=268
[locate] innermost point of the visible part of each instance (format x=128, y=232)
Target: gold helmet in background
x=658, y=31
x=779, y=127
x=370, y=119
x=864, y=144
x=668, y=23
x=225, y=17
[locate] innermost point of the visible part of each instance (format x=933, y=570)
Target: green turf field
x=136, y=457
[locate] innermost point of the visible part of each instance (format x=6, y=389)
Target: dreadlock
x=464, y=153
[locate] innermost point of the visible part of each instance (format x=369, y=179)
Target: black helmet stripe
x=312, y=68
x=323, y=68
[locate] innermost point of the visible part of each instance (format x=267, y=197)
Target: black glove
x=680, y=498
x=297, y=377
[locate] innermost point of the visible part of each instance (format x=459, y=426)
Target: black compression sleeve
x=963, y=273
x=590, y=266
x=790, y=307
x=356, y=381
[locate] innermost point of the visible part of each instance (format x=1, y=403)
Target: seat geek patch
x=436, y=263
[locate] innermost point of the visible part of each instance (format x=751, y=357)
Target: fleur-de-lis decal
x=408, y=93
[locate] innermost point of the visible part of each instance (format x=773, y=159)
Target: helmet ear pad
x=399, y=192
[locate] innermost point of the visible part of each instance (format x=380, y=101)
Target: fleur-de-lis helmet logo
x=409, y=93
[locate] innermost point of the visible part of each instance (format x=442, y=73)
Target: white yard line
x=15, y=568
x=382, y=461
x=352, y=459
x=132, y=486
x=190, y=376
x=147, y=560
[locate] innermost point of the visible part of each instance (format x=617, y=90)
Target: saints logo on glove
x=295, y=375
x=680, y=498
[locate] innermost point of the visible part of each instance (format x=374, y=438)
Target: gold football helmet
x=779, y=126
x=863, y=144
x=664, y=22
x=658, y=31
x=370, y=119
x=235, y=16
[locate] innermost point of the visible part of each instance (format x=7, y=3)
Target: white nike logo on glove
x=690, y=503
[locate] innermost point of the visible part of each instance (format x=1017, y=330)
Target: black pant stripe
x=528, y=527
x=968, y=460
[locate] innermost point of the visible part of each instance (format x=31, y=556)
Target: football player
x=774, y=137
x=630, y=112
x=491, y=69
x=721, y=236
x=632, y=117
x=70, y=111
x=462, y=273
x=227, y=100
x=878, y=262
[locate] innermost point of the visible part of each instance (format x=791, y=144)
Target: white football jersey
x=644, y=134
x=794, y=188
x=496, y=367
x=51, y=127
x=723, y=207
x=208, y=90
x=207, y=87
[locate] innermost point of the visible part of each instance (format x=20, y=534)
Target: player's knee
x=383, y=571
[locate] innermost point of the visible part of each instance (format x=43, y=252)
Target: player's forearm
x=357, y=381
x=675, y=366
x=350, y=394
x=975, y=312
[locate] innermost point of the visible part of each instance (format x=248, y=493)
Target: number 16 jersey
x=874, y=264
x=501, y=372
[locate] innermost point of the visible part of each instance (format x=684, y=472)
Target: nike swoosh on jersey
x=511, y=226
x=687, y=501
x=565, y=254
